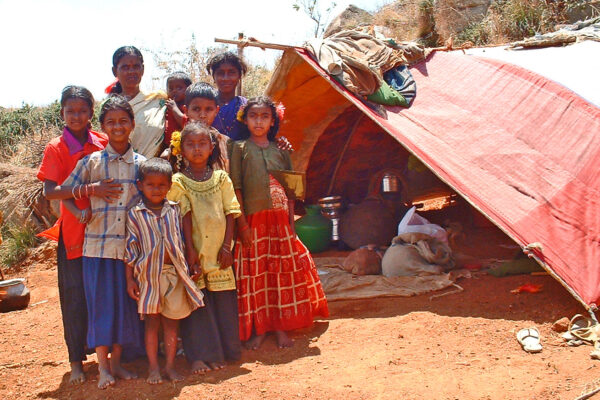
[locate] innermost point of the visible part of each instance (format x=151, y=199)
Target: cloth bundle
x=416, y=254
x=356, y=59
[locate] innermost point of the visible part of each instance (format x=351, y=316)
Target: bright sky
x=48, y=44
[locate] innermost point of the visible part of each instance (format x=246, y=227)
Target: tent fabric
x=520, y=148
x=575, y=66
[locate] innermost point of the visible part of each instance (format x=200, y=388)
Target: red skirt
x=277, y=281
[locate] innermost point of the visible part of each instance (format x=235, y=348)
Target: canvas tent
x=519, y=147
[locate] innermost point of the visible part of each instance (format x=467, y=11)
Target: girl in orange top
x=60, y=157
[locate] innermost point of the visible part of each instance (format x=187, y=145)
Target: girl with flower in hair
x=208, y=205
x=277, y=282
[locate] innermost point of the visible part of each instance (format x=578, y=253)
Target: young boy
x=175, y=119
x=157, y=273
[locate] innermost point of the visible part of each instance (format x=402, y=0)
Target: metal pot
x=14, y=295
x=331, y=208
x=390, y=183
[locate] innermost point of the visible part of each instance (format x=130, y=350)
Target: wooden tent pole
x=240, y=52
x=343, y=152
x=254, y=43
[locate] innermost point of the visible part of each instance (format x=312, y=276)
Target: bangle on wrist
x=243, y=228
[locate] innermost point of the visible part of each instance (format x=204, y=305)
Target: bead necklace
x=205, y=175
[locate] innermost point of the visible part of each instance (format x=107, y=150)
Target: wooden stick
x=458, y=290
x=588, y=395
x=240, y=51
x=253, y=43
x=343, y=152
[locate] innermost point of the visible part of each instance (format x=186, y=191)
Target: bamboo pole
x=240, y=51
x=246, y=42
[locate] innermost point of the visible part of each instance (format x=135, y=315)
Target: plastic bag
x=414, y=223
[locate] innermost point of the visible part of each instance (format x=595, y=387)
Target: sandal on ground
x=529, y=338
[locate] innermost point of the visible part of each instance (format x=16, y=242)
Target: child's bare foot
x=173, y=375
x=199, y=367
x=216, y=365
x=77, y=375
x=105, y=379
x=122, y=373
x=154, y=376
x=255, y=342
x=283, y=340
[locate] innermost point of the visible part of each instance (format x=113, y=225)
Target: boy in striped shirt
x=157, y=273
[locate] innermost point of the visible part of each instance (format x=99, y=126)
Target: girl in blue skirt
x=112, y=314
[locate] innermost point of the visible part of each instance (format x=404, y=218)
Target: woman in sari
x=149, y=108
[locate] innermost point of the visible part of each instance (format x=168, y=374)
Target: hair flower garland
x=280, y=110
x=176, y=143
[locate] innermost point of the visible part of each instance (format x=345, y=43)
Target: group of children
x=153, y=240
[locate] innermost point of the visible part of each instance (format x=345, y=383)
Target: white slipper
x=530, y=340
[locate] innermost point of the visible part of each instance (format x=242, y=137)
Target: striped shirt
x=148, y=237
x=105, y=233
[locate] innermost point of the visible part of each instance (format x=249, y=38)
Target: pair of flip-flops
x=529, y=338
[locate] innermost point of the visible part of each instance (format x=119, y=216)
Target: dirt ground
x=461, y=346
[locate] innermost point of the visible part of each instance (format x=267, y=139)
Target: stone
x=562, y=325
x=350, y=18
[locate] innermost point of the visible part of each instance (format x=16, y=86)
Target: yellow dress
x=209, y=202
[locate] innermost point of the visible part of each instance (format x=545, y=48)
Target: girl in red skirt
x=277, y=282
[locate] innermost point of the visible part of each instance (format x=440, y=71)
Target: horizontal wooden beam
x=253, y=43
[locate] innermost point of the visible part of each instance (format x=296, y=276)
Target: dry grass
x=434, y=21
x=29, y=149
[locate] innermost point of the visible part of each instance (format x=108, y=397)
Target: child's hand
x=84, y=216
x=107, y=190
x=191, y=257
x=245, y=236
x=196, y=271
x=133, y=290
x=284, y=144
x=171, y=104
x=224, y=258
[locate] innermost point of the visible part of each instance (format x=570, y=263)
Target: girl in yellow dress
x=208, y=205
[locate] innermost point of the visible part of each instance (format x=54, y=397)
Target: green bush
x=17, y=241
x=17, y=123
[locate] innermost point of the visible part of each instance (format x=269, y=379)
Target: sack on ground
x=427, y=256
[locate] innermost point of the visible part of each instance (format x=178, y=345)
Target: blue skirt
x=112, y=314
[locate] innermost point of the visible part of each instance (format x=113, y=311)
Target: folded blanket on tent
x=356, y=59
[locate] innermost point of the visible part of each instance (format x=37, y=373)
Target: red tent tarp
x=520, y=148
